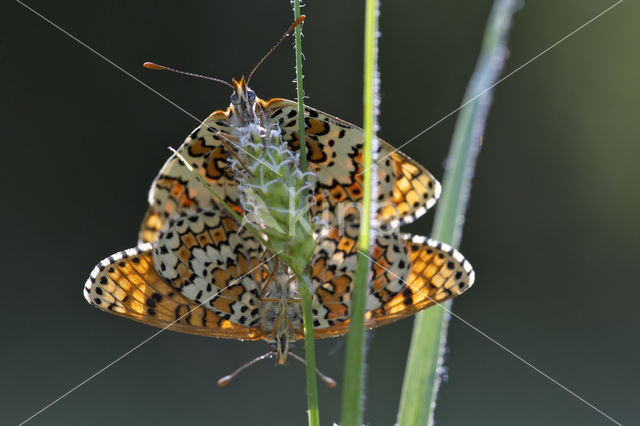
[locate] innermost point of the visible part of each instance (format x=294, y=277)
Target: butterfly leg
x=262, y=256
x=277, y=320
x=264, y=288
x=292, y=279
x=275, y=326
x=273, y=299
x=259, y=113
x=228, y=139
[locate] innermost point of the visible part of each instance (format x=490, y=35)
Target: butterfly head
x=242, y=100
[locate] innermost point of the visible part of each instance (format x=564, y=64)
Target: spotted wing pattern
x=176, y=188
x=408, y=274
x=206, y=257
x=334, y=150
x=127, y=284
x=203, y=276
x=406, y=190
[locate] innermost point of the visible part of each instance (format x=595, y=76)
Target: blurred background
x=552, y=229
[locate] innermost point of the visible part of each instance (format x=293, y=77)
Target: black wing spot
x=408, y=296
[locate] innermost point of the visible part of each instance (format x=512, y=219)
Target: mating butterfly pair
x=196, y=270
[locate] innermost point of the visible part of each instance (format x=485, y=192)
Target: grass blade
x=422, y=375
x=299, y=87
x=303, y=276
x=354, y=370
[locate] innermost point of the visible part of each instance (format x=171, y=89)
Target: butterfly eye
x=234, y=98
x=251, y=95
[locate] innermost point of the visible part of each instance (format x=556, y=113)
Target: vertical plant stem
x=354, y=370
x=422, y=375
x=304, y=287
x=299, y=87
x=303, y=276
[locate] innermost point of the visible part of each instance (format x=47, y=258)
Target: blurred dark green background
x=552, y=229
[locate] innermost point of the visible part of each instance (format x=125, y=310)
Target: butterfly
x=196, y=270
x=207, y=275
x=405, y=190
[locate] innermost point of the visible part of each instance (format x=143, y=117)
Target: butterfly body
x=281, y=312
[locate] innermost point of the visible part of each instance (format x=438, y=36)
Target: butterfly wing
x=408, y=274
x=176, y=188
x=209, y=259
x=438, y=272
x=128, y=285
x=406, y=190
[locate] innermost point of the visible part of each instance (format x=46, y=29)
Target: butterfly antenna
x=326, y=379
x=224, y=381
x=152, y=66
x=285, y=35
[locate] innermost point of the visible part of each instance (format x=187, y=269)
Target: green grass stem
x=303, y=276
x=304, y=288
x=354, y=367
x=299, y=87
x=422, y=374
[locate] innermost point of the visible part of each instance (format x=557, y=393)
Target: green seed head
x=273, y=191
